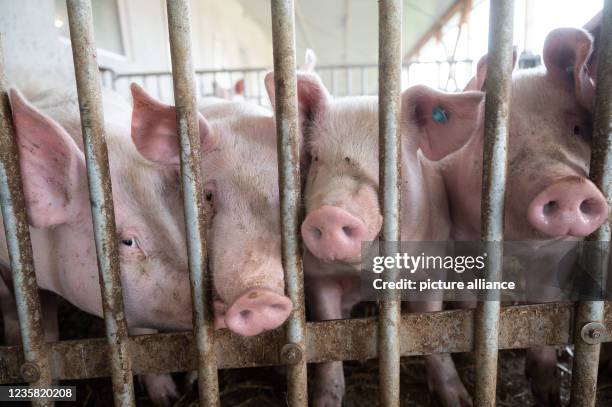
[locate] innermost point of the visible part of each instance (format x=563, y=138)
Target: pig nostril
x=317, y=233
x=347, y=231
x=245, y=314
x=588, y=207
x=278, y=306
x=549, y=208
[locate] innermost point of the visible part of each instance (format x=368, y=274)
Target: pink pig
x=148, y=215
x=549, y=197
x=342, y=207
x=241, y=174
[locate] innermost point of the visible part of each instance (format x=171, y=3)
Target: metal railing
x=341, y=80
x=388, y=337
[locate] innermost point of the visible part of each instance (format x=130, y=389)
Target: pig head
x=549, y=195
x=148, y=214
x=239, y=167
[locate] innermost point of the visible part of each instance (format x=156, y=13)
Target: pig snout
x=255, y=311
x=570, y=207
x=331, y=233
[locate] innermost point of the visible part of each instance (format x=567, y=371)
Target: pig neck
x=424, y=215
x=462, y=174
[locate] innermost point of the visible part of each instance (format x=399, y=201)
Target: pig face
x=548, y=193
x=341, y=144
x=148, y=217
x=240, y=171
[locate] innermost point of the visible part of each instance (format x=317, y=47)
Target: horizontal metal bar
x=267, y=68
x=286, y=116
x=352, y=339
x=20, y=249
x=179, y=26
x=100, y=192
x=586, y=362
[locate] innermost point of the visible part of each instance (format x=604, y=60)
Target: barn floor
x=257, y=387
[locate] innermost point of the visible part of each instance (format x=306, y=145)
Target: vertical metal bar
x=100, y=192
x=36, y=368
x=160, y=94
x=584, y=375
x=498, y=88
x=349, y=80
x=363, y=80
x=285, y=87
x=389, y=88
x=183, y=75
x=332, y=80
x=259, y=89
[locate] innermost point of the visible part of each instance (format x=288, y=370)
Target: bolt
x=291, y=354
x=595, y=333
x=30, y=372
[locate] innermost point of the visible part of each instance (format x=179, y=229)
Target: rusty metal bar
x=589, y=314
x=100, y=193
x=498, y=88
x=183, y=74
x=285, y=88
x=389, y=89
x=36, y=368
x=355, y=339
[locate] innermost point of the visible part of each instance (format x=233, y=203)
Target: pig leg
x=9, y=316
x=160, y=387
x=325, y=301
x=543, y=376
x=443, y=380
x=541, y=362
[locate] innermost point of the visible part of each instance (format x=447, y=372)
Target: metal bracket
x=593, y=333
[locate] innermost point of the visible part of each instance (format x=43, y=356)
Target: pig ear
x=594, y=28
x=312, y=94
x=239, y=87
x=478, y=81
x=52, y=166
x=566, y=53
x=443, y=122
x=154, y=130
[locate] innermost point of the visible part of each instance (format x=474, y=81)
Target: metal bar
x=355, y=339
x=498, y=88
x=100, y=193
x=285, y=88
x=266, y=69
x=586, y=361
x=183, y=74
x=17, y=231
x=389, y=88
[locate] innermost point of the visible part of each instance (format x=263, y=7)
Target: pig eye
x=130, y=242
x=316, y=158
x=209, y=196
x=577, y=131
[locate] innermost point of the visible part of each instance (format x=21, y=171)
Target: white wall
x=223, y=37
x=32, y=52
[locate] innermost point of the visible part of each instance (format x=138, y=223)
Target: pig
x=340, y=138
x=236, y=94
x=239, y=166
x=148, y=216
x=549, y=197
